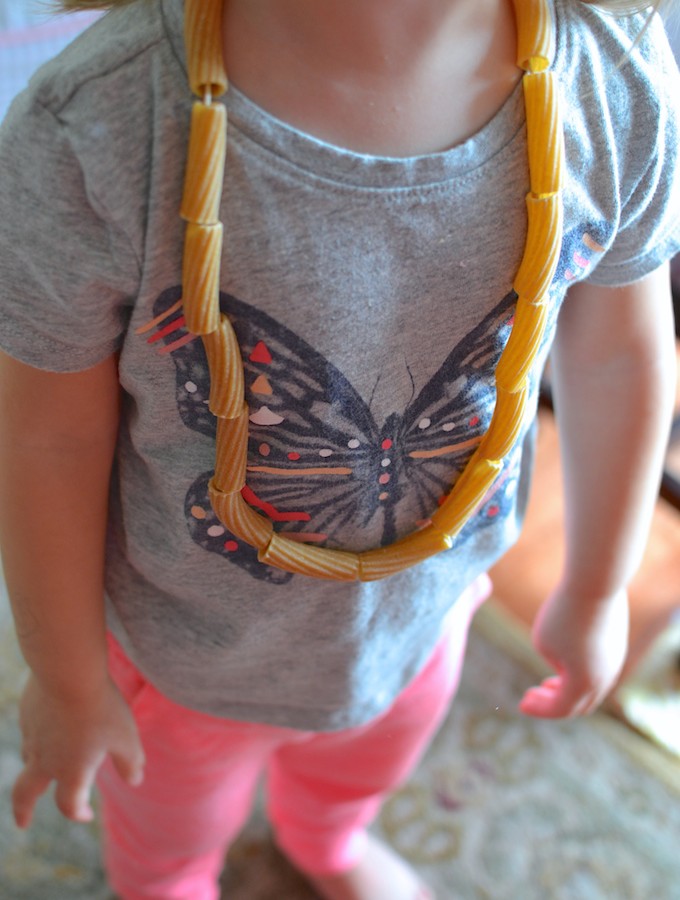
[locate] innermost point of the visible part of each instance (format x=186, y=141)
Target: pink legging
x=167, y=839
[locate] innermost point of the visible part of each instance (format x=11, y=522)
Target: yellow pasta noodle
x=232, y=453
x=506, y=424
x=542, y=248
x=305, y=559
x=522, y=347
x=544, y=133
x=201, y=277
x=535, y=43
x=204, y=177
x=385, y=561
x=226, y=368
x=467, y=494
x=203, y=41
x=241, y=520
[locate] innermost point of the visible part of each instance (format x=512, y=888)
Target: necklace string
x=200, y=298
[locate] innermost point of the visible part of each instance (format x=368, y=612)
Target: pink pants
x=167, y=839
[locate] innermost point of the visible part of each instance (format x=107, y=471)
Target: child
x=374, y=221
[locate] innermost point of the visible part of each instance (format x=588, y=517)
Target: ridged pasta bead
x=544, y=133
x=385, y=561
x=203, y=41
x=241, y=520
x=305, y=559
x=523, y=345
x=468, y=492
x=542, y=247
x=535, y=43
x=231, y=453
x=226, y=371
x=204, y=177
x=506, y=424
x=201, y=277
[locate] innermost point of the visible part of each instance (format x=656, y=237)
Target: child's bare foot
x=379, y=875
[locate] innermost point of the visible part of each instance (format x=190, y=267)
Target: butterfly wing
x=445, y=422
x=442, y=426
x=312, y=437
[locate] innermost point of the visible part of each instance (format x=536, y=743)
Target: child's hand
x=586, y=645
x=66, y=740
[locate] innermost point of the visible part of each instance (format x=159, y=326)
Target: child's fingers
x=538, y=701
x=28, y=788
x=73, y=798
x=130, y=767
x=554, y=698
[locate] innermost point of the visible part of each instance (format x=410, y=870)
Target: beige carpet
x=503, y=808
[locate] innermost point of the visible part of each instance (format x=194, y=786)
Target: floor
x=529, y=571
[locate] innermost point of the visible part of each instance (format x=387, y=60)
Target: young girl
x=374, y=219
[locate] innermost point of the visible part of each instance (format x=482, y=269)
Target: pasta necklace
x=201, y=274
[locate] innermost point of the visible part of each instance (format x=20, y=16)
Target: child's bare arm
x=614, y=383
x=56, y=447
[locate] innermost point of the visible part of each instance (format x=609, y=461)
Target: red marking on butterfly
x=272, y=512
x=260, y=353
x=175, y=325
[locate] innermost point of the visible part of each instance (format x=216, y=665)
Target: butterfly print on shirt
x=319, y=465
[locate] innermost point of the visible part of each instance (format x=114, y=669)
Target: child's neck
x=387, y=77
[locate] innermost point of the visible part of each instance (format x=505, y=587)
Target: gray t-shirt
x=371, y=298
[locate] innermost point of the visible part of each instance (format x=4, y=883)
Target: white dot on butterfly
x=325, y=452
x=215, y=531
x=353, y=444
x=386, y=462
x=448, y=426
x=190, y=387
x=424, y=423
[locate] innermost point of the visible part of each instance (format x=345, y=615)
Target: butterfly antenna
x=413, y=381
x=375, y=388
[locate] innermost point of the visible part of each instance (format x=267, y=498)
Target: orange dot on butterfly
x=261, y=386
x=198, y=512
x=386, y=444
x=264, y=449
x=384, y=478
x=230, y=546
x=383, y=496
x=293, y=457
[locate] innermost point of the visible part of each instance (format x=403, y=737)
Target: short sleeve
x=67, y=271
x=646, y=151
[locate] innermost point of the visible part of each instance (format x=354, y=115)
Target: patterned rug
x=503, y=807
